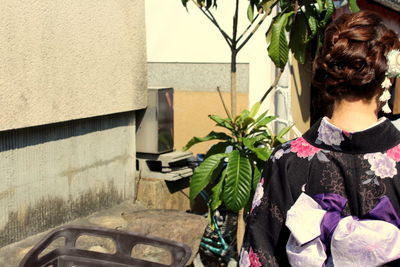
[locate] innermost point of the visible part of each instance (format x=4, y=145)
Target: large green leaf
x=285, y=131
x=205, y=173
x=268, y=34
x=330, y=10
x=299, y=37
x=226, y=123
x=267, y=5
x=246, y=123
x=262, y=153
x=249, y=142
x=209, y=4
x=217, y=148
x=320, y=6
x=211, y=136
x=243, y=119
x=250, y=12
x=184, y=3
x=217, y=191
x=353, y=6
x=264, y=121
x=254, y=109
x=259, y=118
x=278, y=49
x=236, y=191
x=256, y=177
x=311, y=14
x=244, y=114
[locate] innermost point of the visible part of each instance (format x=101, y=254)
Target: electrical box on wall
x=155, y=124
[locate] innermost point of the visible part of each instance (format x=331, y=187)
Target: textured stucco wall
x=197, y=77
x=54, y=173
x=69, y=59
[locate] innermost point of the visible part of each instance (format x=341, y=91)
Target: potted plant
x=233, y=176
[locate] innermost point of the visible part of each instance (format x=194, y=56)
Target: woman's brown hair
x=352, y=60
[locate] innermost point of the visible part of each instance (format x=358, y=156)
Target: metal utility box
x=155, y=124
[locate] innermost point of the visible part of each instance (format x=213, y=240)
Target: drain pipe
x=282, y=100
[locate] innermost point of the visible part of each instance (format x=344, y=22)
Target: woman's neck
x=354, y=115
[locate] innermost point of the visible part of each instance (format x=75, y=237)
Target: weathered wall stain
x=73, y=171
x=53, y=211
x=7, y=193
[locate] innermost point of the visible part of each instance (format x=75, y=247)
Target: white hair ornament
x=393, y=62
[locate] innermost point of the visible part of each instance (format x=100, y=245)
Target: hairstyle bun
x=352, y=60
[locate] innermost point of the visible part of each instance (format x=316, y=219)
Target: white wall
x=175, y=35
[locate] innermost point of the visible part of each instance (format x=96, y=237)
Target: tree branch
x=248, y=27
x=223, y=103
x=226, y=36
x=235, y=25
x=274, y=84
x=210, y=16
x=253, y=31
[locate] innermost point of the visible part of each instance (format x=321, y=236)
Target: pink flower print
x=244, y=259
x=254, y=261
x=394, y=153
x=258, y=194
x=303, y=149
x=381, y=164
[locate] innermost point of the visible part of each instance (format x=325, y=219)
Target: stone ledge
x=170, y=224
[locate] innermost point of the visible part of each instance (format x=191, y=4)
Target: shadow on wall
x=20, y=138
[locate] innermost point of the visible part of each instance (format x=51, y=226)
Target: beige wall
x=62, y=60
x=191, y=110
x=301, y=94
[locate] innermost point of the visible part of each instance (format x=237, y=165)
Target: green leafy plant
x=305, y=22
x=234, y=175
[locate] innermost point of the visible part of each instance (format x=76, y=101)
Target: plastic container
x=70, y=256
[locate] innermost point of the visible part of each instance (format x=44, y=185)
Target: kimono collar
x=377, y=138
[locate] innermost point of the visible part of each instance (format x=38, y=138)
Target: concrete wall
x=62, y=60
x=71, y=75
x=52, y=174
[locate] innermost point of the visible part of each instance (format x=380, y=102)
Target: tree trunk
x=233, y=95
x=240, y=221
x=233, y=86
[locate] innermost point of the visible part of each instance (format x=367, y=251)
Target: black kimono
x=357, y=169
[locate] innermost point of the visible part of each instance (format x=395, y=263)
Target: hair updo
x=352, y=61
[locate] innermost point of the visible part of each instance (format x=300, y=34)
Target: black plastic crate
x=70, y=256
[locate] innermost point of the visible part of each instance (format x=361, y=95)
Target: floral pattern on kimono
x=361, y=166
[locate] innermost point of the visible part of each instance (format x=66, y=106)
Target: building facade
x=72, y=75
